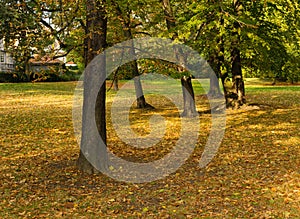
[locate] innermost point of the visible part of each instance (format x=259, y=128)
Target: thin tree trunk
x=115, y=80
x=186, y=82
x=221, y=60
x=214, y=86
x=140, y=98
x=171, y=24
x=238, y=94
x=237, y=78
x=116, y=83
x=188, y=97
x=95, y=42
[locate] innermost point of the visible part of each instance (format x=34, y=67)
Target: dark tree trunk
x=116, y=83
x=115, y=80
x=188, y=97
x=125, y=20
x=237, y=79
x=223, y=76
x=214, y=86
x=171, y=24
x=236, y=98
x=140, y=98
x=95, y=42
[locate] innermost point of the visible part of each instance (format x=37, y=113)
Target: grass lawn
x=255, y=174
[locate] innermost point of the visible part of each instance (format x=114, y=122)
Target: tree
x=21, y=33
x=95, y=42
x=171, y=27
x=242, y=37
x=125, y=19
x=238, y=93
x=33, y=27
x=275, y=40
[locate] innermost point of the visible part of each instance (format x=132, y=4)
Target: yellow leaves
x=254, y=174
x=145, y=209
x=273, y=189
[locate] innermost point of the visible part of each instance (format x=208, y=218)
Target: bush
x=7, y=77
x=46, y=75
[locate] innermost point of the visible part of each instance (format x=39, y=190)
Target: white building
x=6, y=61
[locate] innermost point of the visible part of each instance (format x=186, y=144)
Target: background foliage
x=269, y=31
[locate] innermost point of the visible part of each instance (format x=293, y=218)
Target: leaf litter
x=255, y=173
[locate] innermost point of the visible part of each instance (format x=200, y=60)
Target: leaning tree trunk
x=171, y=24
x=116, y=83
x=115, y=80
x=140, y=98
x=188, y=97
x=95, y=42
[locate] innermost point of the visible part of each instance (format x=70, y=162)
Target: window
x=1, y=56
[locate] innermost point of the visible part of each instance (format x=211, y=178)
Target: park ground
x=255, y=174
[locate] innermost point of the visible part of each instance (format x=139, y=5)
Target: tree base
x=84, y=165
x=232, y=101
x=142, y=104
x=189, y=114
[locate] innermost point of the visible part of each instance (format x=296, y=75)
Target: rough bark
x=95, y=42
x=188, y=97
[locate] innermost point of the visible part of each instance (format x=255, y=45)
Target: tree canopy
x=268, y=31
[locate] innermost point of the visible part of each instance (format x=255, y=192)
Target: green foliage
x=269, y=34
x=269, y=31
x=274, y=43
x=160, y=67
x=51, y=75
x=45, y=28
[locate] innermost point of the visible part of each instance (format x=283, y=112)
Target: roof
x=45, y=61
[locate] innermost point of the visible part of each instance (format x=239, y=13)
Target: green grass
x=255, y=173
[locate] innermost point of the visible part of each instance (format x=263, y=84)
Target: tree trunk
x=237, y=97
x=171, y=24
x=214, y=86
x=188, y=97
x=221, y=60
x=95, y=42
x=140, y=98
x=237, y=79
x=116, y=83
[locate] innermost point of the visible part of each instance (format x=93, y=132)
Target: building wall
x=6, y=62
